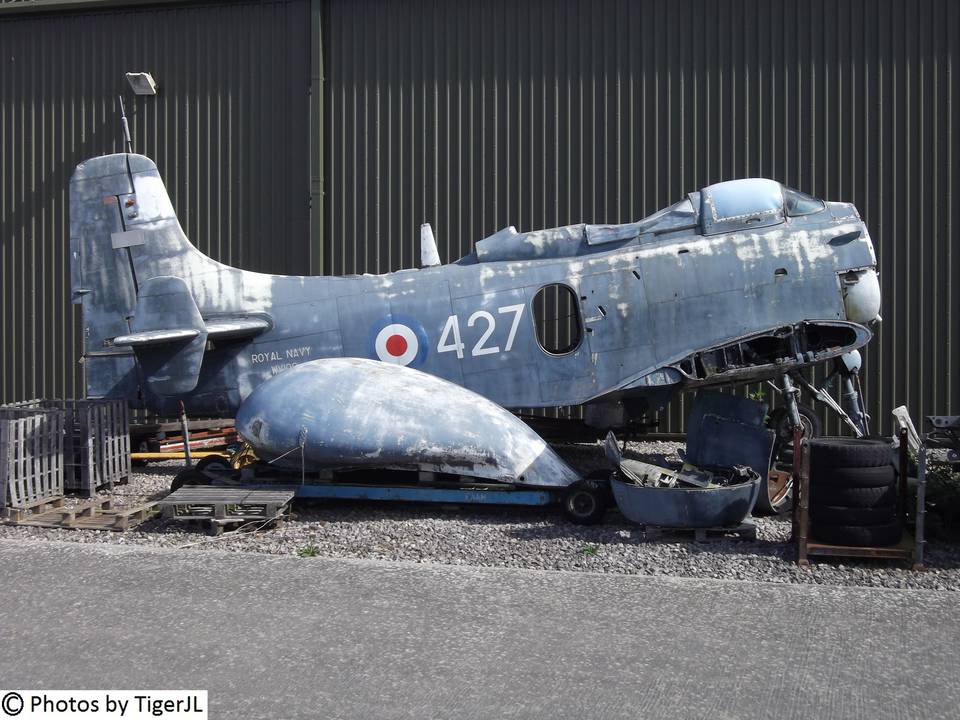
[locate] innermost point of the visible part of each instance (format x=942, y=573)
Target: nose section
x=861, y=295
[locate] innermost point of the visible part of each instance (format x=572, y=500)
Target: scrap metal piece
x=902, y=416
x=650, y=475
x=726, y=431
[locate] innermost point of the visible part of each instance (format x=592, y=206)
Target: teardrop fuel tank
x=355, y=413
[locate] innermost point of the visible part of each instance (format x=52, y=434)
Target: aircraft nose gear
x=851, y=397
x=851, y=409
x=790, y=395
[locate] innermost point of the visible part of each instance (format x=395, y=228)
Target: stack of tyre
x=854, y=498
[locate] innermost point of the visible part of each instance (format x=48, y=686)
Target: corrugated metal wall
x=475, y=115
x=229, y=131
x=478, y=114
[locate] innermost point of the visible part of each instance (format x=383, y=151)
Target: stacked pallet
x=51, y=447
x=96, y=444
x=31, y=457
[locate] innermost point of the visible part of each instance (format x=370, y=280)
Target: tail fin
x=123, y=234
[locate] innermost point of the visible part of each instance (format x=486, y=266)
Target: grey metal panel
x=477, y=115
x=229, y=128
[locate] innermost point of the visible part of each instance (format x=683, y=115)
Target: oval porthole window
x=556, y=313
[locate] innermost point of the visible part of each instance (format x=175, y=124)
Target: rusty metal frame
x=910, y=548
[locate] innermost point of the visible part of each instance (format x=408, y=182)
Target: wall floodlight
x=142, y=83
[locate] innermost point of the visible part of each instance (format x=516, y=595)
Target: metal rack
x=96, y=442
x=909, y=549
x=31, y=458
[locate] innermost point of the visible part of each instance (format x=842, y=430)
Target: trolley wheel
x=585, y=502
x=214, y=463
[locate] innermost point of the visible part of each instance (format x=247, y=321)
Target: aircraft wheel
x=779, y=422
x=776, y=496
x=585, y=503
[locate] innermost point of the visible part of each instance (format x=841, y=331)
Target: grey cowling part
x=724, y=430
x=351, y=412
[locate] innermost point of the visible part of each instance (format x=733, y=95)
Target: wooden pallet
x=91, y=515
x=203, y=440
x=168, y=437
x=220, y=506
x=747, y=530
x=25, y=510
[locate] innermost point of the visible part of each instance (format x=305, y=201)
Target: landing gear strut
x=851, y=409
x=775, y=493
x=776, y=487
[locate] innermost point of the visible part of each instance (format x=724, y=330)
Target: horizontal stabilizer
x=233, y=328
x=221, y=329
x=155, y=337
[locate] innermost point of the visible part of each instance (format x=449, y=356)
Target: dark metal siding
x=475, y=115
x=229, y=131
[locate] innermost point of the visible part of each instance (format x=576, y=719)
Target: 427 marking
x=478, y=318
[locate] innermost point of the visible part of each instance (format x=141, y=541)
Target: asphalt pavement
x=288, y=637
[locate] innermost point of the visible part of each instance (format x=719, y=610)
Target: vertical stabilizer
x=123, y=232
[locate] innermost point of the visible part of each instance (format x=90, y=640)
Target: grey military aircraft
x=742, y=281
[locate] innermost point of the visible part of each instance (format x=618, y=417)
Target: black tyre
x=858, y=535
x=188, y=476
x=854, y=477
x=213, y=463
x=835, y=452
x=777, y=497
x=853, y=497
x=585, y=503
x=779, y=421
x=839, y=515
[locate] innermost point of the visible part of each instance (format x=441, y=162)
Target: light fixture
x=142, y=83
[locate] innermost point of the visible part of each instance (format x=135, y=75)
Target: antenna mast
x=125, y=126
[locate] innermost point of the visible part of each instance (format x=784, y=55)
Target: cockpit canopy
x=732, y=206
x=751, y=203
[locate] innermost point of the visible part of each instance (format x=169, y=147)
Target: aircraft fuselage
x=665, y=307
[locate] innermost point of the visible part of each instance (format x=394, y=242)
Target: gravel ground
x=515, y=537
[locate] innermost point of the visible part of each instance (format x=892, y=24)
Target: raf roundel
x=397, y=344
